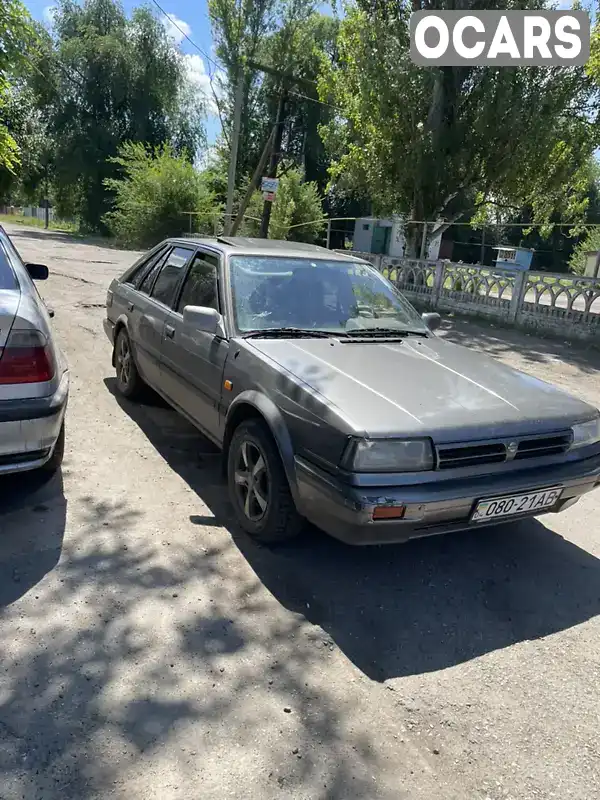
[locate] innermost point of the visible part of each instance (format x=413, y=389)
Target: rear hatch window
x=7, y=276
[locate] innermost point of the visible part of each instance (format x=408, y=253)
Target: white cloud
x=176, y=28
x=200, y=80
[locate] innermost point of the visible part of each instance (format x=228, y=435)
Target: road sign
x=269, y=185
x=269, y=196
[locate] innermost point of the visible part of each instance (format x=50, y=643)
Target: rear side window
x=147, y=280
x=7, y=276
x=168, y=279
x=137, y=275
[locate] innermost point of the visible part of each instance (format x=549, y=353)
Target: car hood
x=424, y=387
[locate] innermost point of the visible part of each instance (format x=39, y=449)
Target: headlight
x=389, y=455
x=586, y=433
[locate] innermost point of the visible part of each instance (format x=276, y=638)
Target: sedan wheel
x=252, y=481
x=258, y=487
x=129, y=382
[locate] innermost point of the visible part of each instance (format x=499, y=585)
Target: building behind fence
x=546, y=303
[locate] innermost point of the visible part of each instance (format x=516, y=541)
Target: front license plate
x=515, y=504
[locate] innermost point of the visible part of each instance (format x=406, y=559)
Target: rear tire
x=129, y=382
x=55, y=461
x=258, y=487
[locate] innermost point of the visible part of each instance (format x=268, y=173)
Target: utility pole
x=482, y=250
x=274, y=161
x=254, y=182
x=46, y=201
x=235, y=139
x=424, y=243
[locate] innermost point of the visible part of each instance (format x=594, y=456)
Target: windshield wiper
x=387, y=332
x=290, y=333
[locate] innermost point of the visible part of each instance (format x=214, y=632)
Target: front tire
x=129, y=383
x=258, y=488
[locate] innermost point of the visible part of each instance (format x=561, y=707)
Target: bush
x=591, y=241
x=153, y=195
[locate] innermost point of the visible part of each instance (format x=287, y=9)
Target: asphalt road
x=149, y=650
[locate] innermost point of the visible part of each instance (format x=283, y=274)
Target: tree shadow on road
x=498, y=341
x=26, y=556
x=131, y=658
x=408, y=609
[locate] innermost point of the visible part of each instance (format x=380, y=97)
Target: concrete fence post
x=518, y=295
x=438, y=283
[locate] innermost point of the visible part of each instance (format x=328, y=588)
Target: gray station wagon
x=334, y=401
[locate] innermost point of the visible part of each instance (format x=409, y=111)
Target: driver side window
x=201, y=286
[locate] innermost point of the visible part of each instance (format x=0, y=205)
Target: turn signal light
x=389, y=512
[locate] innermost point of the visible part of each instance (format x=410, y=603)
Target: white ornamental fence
x=564, y=305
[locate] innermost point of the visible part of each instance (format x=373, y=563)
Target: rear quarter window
x=8, y=279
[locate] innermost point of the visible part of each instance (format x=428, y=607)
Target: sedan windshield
x=340, y=297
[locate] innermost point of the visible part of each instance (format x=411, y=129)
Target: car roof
x=245, y=245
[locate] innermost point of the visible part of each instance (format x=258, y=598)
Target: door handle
x=169, y=331
x=130, y=306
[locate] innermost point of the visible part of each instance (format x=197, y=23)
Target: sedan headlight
x=586, y=433
x=389, y=455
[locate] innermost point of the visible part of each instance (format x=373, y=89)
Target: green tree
x=17, y=36
x=297, y=213
x=24, y=183
x=109, y=79
x=443, y=143
x=287, y=37
x=154, y=194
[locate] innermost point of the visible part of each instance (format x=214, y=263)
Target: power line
x=314, y=100
x=184, y=34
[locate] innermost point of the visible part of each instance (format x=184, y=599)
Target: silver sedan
x=34, y=379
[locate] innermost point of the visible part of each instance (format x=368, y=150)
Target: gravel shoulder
x=150, y=650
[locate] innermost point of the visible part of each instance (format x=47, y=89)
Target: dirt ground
x=149, y=650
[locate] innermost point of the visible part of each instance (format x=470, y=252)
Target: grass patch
x=32, y=222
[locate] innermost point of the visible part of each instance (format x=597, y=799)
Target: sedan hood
x=424, y=387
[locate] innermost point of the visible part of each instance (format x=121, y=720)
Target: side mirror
x=37, y=272
x=432, y=320
x=201, y=318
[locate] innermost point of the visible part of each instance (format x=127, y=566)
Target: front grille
x=544, y=446
x=469, y=454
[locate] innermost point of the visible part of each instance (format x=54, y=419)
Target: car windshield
x=338, y=296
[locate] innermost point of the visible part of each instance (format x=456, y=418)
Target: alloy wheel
x=124, y=361
x=252, y=484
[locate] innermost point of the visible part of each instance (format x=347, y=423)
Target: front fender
x=274, y=419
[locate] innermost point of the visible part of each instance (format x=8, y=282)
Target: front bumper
x=109, y=329
x=29, y=429
x=346, y=511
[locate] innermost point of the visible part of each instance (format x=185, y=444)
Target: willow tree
x=449, y=143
